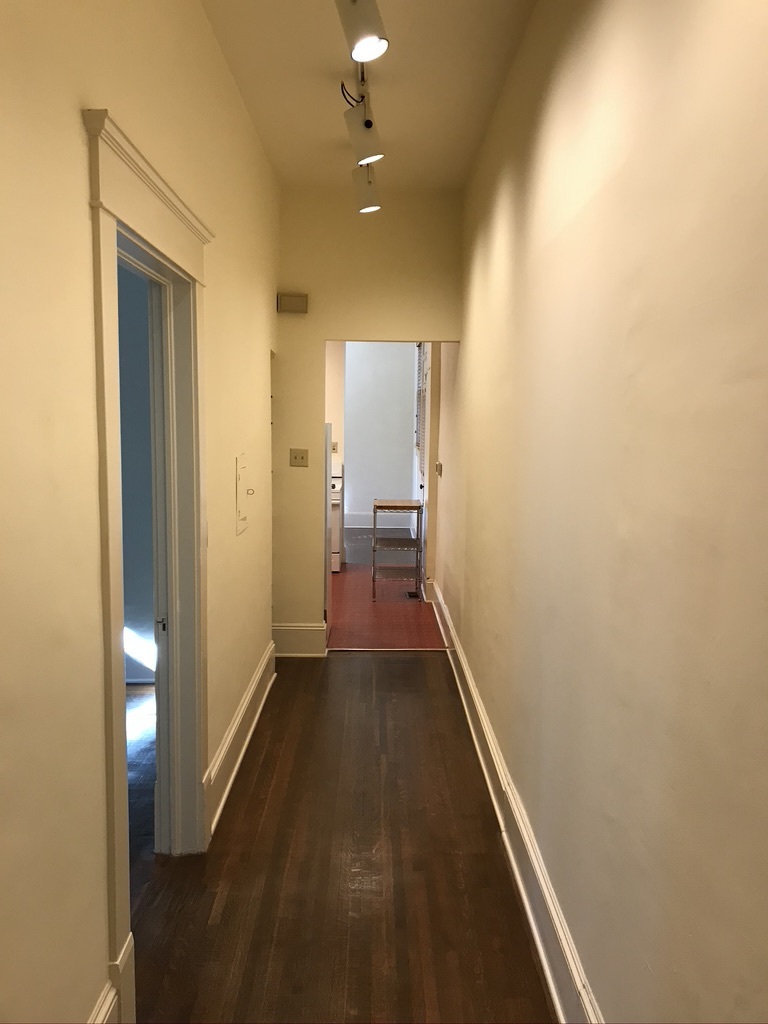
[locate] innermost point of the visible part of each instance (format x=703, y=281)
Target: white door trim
x=431, y=489
x=128, y=196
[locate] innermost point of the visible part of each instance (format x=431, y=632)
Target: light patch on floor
x=140, y=720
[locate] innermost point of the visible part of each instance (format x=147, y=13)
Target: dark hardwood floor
x=357, y=872
x=141, y=728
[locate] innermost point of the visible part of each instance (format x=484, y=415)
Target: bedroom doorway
x=160, y=564
x=141, y=300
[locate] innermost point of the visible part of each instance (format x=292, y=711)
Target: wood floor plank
x=357, y=872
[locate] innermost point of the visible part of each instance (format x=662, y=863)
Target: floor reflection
x=140, y=727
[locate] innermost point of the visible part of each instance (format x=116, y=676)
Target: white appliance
x=337, y=515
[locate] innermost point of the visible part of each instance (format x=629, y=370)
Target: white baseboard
x=299, y=639
x=287, y=654
x=358, y=520
x=568, y=986
x=122, y=981
x=106, y=1009
x=221, y=773
x=388, y=520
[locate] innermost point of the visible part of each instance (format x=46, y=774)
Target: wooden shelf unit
x=411, y=571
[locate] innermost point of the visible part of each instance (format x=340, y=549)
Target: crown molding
x=104, y=130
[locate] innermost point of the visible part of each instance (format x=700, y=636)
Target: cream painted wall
x=390, y=276
x=158, y=70
x=604, y=505
x=335, y=361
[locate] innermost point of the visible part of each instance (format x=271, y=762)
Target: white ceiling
x=432, y=92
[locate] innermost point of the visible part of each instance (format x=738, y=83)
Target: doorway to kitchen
x=377, y=406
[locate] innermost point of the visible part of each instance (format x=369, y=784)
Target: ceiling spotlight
x=367, y=193
x=363, y=28
x=363, y=134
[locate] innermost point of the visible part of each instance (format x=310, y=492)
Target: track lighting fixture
x=363, y=28
x=360, y=124
x=363, y=136
x=367, y=193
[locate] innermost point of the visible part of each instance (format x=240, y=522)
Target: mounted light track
x=362, y=131
x=367, y=193
x=364, y=29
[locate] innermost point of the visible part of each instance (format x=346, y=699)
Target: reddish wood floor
x=392, y=622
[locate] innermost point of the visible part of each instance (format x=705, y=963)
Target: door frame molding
x=133, y=205
x=431, y=474
x=178, y=797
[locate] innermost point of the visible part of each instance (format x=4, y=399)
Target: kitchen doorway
x=375, y=403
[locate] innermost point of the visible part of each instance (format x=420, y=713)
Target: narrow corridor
x=357, y=872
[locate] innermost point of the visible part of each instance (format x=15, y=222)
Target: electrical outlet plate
x=334, y=446
x=299, y=457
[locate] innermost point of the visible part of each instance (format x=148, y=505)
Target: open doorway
x=372, y=403
x=142, y=479
x=138, y=221
x=160, y=557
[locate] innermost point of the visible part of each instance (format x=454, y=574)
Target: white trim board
x=125, y=185
x=358, y=520
x=289, y=655
x=106, y=1009
x=122, y=973
x=117, y=1002
x=126, y=190
x=364, y=521
x=222, y=770
x=569, y=989
x=299, y=639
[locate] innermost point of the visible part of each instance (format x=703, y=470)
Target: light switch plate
x=299, y=457
x=334, y=446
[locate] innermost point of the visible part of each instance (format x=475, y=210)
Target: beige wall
x=158, y=70
x=604, y=531
x=335, y=363
x=389, y=276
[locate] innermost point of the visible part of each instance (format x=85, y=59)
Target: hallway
x=357, y=872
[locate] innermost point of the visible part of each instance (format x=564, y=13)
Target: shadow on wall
x=523, y=120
